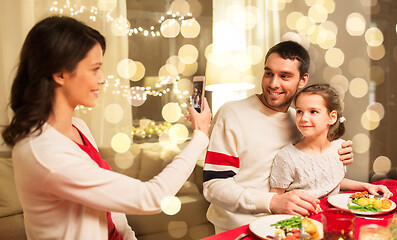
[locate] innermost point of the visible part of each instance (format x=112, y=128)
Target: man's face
x=280, y=82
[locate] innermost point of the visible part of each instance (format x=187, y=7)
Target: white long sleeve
x=61, y=188
x=245, y=138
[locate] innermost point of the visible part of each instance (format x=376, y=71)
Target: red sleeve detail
x=222, y=159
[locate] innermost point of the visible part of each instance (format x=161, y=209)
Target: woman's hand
x=346, y=153
x=200, y=121
x=375, y=189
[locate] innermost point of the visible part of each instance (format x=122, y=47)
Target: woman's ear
x=333, y=117
x=59, y=78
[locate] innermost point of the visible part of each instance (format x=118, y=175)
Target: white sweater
x=317, y=174
x=245, y=137
x=65, y=194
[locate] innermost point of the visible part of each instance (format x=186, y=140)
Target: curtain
x=19, y=16
x=240, y=26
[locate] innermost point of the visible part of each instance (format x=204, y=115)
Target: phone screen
x=198, y=91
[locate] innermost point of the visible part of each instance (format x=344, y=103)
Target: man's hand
x=346, y=153
x=295, y=203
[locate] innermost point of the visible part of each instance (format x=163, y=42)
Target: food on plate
x=362, y=201
x=310, y=228
x=289, y=229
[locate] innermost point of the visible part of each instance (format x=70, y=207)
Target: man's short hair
x=294, y=51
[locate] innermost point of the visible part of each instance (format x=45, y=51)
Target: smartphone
x=198, y=93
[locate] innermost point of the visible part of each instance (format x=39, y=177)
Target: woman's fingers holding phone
x=200, y=121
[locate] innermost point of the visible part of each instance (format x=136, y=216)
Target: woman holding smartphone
x=67, y=191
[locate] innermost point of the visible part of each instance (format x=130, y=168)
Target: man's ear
x=333, y=117
x=303, y=81
x=59, y=78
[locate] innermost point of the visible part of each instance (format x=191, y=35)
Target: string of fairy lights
x=74, y=10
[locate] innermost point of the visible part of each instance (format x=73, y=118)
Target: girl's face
x=312, y=116
x=81, y=87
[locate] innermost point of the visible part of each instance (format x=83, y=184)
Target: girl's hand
x=346, y=153
x=375, y=189
x=200, y=121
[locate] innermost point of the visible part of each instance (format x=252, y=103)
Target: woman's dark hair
x=53, y=45
x=332, y=102
x=294, y=51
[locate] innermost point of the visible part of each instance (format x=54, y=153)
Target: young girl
x=312, y=165
x=67, y=191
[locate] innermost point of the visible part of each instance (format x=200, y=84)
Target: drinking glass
x=374, y=232
x=338, y=224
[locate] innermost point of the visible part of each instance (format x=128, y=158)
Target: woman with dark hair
x=67, y=191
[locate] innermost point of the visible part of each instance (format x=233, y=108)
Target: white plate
x=261, y=226
x=341, y=201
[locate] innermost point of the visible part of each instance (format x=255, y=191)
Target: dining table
x=361, y=220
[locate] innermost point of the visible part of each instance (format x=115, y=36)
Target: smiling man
x=245, y=137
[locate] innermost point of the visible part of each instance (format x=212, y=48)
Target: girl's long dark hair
x=54, y=44
x=332, y=102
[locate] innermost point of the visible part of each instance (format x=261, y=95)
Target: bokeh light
x=126, y=68
x=177, y=229
x=311, y=2
x=139, y=71
x=367, y=123
x=195, y=7
x=292, y=19
x=171, y=205
x=340, y=83
x=334, y=57
x=178, y=133
x=120, y=26
x=374, y=36
x=382, y=164
x=188, y=54
x=120, y=142
x=190, y=28
x=378, y=108
x=376, y=53
x=358, y=87
x=361, y=143
x=329, y=5
x=305, y=25
x=180, y=7
x=174, y=60
x=113, y=113
x=124, y=160
x=187, y=69
x=358, y=66
x=185, y=85
x=171, y=112
x=318, y=13
x=170, y=28
x=168, y=73
x=326, y=39
x=355, y=24
x=330, y=26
